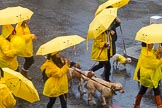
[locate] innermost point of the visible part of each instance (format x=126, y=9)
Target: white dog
x=118, y=59
x=106, y=89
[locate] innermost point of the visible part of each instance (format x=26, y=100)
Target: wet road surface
x=65, y=17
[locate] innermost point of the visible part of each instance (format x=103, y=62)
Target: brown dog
x=106, y=89
x=80, y=75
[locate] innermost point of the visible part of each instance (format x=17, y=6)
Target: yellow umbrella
x=101, y=22
x=113, y=3
x=150, y=34
x=59, y=43
x=13, y=15
x=20, y=86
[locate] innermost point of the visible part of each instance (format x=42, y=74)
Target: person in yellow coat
x=103, y=48
x=56, y=85
x=8, y=55
x=7, y=100
x=23, y=30
x=148, y=73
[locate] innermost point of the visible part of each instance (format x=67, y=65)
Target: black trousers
x=28, y=62
x=143, y=90
x=107, y=68
x=63, y=100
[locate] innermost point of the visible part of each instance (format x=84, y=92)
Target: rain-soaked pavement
x=65, y=17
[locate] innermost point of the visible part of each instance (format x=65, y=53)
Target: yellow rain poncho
x=121, y=59
x=8, y=54
x=7, y=30
x=150, y=72
x=6, y=98
x=98, y=52
x=57, y=83
x=25, y=33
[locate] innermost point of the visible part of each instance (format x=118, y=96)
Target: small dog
x=106, y=89
x=118, y=59
x=76, y=73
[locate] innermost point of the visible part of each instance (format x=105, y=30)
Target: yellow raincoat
x=8, y=56
x=121, y=59
x=6, y=98
x=25, y=33
x=150, y=72
x=7, y=30
x=99, y=52
x=57, y=83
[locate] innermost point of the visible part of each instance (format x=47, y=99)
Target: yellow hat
x=7, y=30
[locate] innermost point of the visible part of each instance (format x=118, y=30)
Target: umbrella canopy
x=101, y=22
x=20, y=86
x=113, y=3
x=150, y=34
x=13, y=15
x=59, y=43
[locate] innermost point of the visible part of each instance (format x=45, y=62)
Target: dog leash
x=113, y=90
x=125, y=52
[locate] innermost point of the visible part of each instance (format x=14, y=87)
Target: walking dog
x=76, y=73
x=118, y=59
x=106, y=89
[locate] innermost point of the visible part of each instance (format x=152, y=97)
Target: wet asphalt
x=54, y=18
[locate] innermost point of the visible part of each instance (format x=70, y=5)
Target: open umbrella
x=13, y=15
x=113, y=3
x=59, y=43
x=101, y=22
x=20, y=86
x=150, y=34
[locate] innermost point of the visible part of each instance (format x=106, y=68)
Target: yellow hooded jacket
x=25, y=33
x=99, y=52
x=150, y=71
x=7, y=54
x=6, y=98
x=57, y=83
x=121, y=59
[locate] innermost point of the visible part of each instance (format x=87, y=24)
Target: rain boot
x=158, y=101
x=24, y=73
x=138, y=101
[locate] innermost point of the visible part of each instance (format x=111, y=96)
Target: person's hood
x=7, y=30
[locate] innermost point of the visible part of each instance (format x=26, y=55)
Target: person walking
x=23, y=30
x=8, y=54
x=56, y=85
x=104, y=47
x=148, y=73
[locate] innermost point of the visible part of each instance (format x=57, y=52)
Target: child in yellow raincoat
x=7, y=100
x=148, y=73
x=56, y=85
